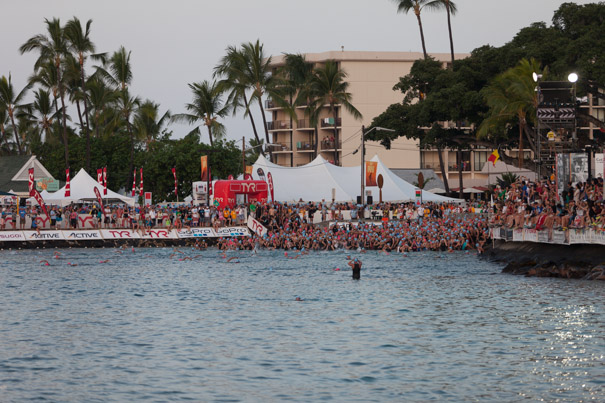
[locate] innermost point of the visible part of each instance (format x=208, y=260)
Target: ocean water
x=147, y=326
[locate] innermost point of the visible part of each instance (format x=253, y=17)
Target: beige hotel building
x=371, y=77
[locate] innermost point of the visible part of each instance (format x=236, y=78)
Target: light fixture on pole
x=363, y=155
x=536, y=76
x=572, y=77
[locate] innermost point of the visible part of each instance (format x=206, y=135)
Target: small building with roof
x=14, y=173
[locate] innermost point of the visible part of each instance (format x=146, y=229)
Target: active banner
x=82, y=235
x=43, y=235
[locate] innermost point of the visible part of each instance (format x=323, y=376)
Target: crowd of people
x=537, y=205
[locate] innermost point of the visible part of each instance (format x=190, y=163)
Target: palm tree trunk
x=84, y=94
x=426, y=56
x=316, y=141
x=521, y=124
x=253, y=125
x=262, y=112
x=335, y=116
x=210, y=135
x=461, y=187
x=442, y=167
x=79, y=114
x=449, y=28
x=16, y=133
x=62, y=95
x=131, y=166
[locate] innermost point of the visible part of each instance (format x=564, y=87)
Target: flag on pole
x=270, y=181
x=104, y=181
x=39, y=199
x=175, y=181
x=141, y=183
x=100, y=176
x=30, y=185
x=134, y=182
x=67, y=185
x=494, y=157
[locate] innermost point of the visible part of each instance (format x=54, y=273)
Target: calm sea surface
x=146, y=326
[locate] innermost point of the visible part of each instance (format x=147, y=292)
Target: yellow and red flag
x=494, y=157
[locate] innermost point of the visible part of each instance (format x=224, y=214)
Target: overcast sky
x=177, y=42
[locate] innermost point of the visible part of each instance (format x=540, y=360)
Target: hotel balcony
x=328, y=145
x=304, y=124
x=280, y=148
x=270, y=104
x=279, y=125
x=305, y=147
x=328, y=123
x=466, y=167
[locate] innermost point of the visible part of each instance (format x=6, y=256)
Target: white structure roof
x=82, y=188
x=316, y=180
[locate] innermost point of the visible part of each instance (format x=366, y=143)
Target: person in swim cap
x=356, y=266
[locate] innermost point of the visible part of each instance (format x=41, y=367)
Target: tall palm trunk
x=79, y=114
x=87, y=131
x=262, y=113
x=460, y=184
x=417, y=12
x=131, y=166
x=316, y=132
x=449, y=28
x=253, y=124
x=62, y=95
x=335, y=117
x=521, y=126
x=10, y=113
x=210, y=135
x=442, y=167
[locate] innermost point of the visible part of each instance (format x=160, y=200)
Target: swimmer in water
x=231, y=260
x=44, y=262
x=356, y=266
x=104, y=261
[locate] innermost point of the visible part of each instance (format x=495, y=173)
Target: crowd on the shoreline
x=537, y=205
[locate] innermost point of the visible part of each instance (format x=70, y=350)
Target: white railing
x=569, y=237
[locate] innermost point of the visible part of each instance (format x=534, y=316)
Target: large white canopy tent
x=82, y=189
x=315, y=181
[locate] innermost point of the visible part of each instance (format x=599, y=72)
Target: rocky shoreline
x=584, y=262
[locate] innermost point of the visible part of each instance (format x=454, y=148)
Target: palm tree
x=404, y=6
x=41, y=113
x=101, y=99
x=511, y=96
x=330, y=88
x=298, y=78
x=81, y=45
x=11, y=103
x=52, y=48
x=231, y=68
x=126, y=107
x=207, y=107
x=117, y=70
x=450, y=9
x=146, y=122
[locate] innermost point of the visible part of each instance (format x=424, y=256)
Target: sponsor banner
x=598, y=237
x=119, y=234
x=256, y=227
x=495, y=233
x=48, y=184
x=543, y=236
x=10, y=236
x=159, y=234
x=558, y=237
x=43, y=235
x=196, y=233
x=232, y=231
x=518, y=235
x=82, y=235
x=85, y=221
x=371, y=168
x=579, y=236
x=509, y=234
x=530, y=235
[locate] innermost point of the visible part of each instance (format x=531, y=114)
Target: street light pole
x=363, y=155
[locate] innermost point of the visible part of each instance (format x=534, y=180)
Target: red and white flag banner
x=134, y=182
x=40, y=201
x=67, y=184
x=100, y=176
x=30, y=184
x=105, y=181
x=99, y=199
x=175, y=181
x=270, y=180
x=141, y=183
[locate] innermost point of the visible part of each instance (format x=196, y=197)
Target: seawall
x=577, y=261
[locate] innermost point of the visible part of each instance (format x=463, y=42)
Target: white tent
x=317, y=180
x=82, y=189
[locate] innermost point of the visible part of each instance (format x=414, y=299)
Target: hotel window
x=480, y=160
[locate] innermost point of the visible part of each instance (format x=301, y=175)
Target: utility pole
x=243, y=156
x=363, y=158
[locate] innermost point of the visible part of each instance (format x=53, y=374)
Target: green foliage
x=507, y=179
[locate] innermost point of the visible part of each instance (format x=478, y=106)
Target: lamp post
x=363, y=155
x=251, y=148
